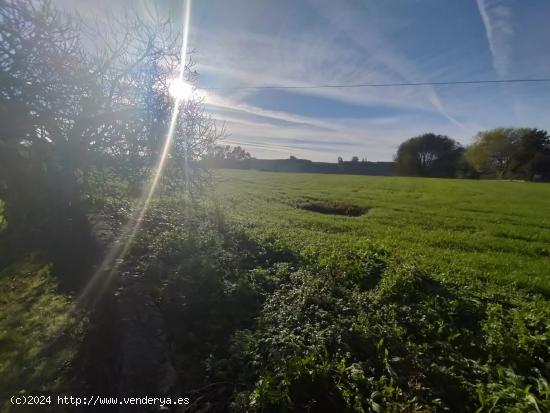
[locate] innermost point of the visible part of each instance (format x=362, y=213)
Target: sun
x=179, y=89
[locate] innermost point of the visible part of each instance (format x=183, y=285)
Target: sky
x=313, y=42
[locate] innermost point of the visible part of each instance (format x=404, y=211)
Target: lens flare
x=180, y=91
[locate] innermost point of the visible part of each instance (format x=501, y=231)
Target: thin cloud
x=376, y=138
x=323, y=41
x=316, y=57
x=497, y=19
x=271, y=60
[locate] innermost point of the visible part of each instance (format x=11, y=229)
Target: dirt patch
x=333, y=208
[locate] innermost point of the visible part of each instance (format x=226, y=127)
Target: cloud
x=315, y=57
x=274, y=134
x=229, y=106
x=368, y=41
x=341, y=49
x=497, y=19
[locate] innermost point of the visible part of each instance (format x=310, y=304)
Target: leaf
x=376, y=407
x=533, y=400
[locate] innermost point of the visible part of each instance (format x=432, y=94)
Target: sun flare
x=179, y=89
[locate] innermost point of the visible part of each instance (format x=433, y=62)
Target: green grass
x=39, y=335
x=492, y=230
x=412, y=306
x=436, y=299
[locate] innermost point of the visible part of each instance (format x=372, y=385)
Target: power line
x=360, y=85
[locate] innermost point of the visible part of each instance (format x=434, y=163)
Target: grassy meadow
x=434, y=299
x=494, y=230
x=137, y=264
x=425, y=295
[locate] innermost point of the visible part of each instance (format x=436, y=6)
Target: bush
x=411, y=343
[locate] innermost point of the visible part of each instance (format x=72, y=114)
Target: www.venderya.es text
x=44, y=400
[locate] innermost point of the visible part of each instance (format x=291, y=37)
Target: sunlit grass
x=39, y=336
x=488, y=229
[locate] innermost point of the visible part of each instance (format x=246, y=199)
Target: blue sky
x=309, y=42
x=259, y=42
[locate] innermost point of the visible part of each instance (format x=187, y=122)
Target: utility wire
x=359, y=85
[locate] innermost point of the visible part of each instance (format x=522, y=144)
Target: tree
x=492, y=152
x=354, y=159
x=43, y=96
x=219, y=152
x=429, y=155
x=70, y=112
x=340, y=159
x=238, y=154
x=532, y=154
x=134, y=64
x=510, y=152
x=227, y=153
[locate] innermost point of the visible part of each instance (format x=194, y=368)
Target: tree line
x=501, y=153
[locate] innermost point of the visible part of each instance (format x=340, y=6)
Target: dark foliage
x=227, y=153
x=75, y=117
x=429, y=155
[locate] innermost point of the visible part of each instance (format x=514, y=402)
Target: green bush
x=410, y=344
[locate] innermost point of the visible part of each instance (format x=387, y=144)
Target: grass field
x=497, y=230
x=432, y=297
